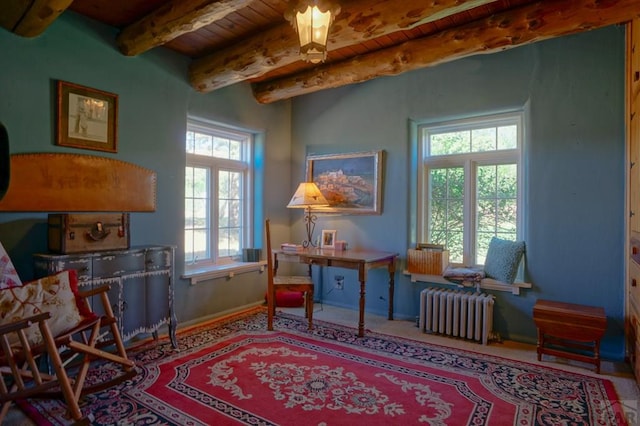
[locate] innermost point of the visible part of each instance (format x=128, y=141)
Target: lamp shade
x=307, y=195
x=312, y=20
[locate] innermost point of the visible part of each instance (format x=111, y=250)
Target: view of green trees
x=198, y=198
x=496, y=191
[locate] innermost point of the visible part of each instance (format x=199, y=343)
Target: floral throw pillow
x=53, y=294
x=8, y=275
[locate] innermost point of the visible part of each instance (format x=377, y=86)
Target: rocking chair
x=28, y=343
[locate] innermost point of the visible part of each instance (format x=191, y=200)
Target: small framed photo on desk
x=328, y=240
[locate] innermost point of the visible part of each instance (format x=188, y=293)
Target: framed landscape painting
x=351, y=183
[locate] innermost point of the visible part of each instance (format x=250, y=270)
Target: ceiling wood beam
x=359, y=20
x=172, y=20
x=29, y=18
x=527, y=24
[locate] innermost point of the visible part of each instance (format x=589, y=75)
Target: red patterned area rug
x=233, y=371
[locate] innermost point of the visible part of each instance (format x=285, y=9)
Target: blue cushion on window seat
x=503, y=259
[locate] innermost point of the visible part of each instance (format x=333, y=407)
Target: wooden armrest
x=102, y=289
x=24, y=323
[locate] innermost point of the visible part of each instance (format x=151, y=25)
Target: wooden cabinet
x=632, y=327
x=141, y=280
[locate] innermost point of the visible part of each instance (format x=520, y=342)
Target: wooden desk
x=360, y=260
x=567, y=325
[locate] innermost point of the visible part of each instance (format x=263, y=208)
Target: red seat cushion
x=289, y=299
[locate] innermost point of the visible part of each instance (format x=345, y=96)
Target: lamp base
x=310, y=222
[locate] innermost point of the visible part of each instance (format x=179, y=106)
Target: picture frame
x=351, y=183
x=86, y=118
x=328, y=239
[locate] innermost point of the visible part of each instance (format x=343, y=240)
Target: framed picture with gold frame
x=351, y=183
x=86, y=118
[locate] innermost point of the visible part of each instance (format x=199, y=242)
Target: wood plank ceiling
x=230, y=41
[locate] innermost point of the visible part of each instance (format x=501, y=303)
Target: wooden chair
x=290, y=283
x=69, y=356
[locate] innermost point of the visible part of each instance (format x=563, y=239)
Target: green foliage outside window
x=495, y=196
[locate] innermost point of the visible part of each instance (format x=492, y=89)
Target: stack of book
x=290, y=247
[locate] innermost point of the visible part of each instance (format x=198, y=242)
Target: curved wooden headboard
x=77, y=183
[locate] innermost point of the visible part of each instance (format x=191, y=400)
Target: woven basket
x=430, y=262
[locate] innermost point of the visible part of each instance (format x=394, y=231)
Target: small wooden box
x=430, y=262
x=87, y=232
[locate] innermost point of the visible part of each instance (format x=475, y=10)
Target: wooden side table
x=564, y=328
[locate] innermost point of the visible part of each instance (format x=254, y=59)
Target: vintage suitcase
x=86, y=232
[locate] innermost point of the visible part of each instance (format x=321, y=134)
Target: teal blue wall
x=572, y=89
x=154, y=100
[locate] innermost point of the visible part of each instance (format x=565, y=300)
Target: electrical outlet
x=339, y=282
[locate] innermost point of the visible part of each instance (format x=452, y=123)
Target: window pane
x=483, y=140
x=507, y=184
x=189, y=254
x=486, y=216
x=223, y=184
x=196, y=246
x=455, y=214
x=234, y=213
x=188, y=182
x=507, y=216
x=201, y=245
x=450, y=143
x=230, y=212
x=446, y=210
x=229, y=242
x=188, y=213
x=196, y=214
x=200, y=213
x=486, y=182
x=221, y=147
x=438, y=183
x=191, y=142
x=203, y=144
x=455, y=182
x=235, y=150
x=235, y=185
x=455, y=246
x=482, y=246
x=201, y=183
x=496, y=209
x=508, y=137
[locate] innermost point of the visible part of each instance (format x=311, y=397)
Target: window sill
x=486, y=283
x=228, y=270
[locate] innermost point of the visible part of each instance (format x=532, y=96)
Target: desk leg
x=362, y=277
x=540, y=347
x=392, y=273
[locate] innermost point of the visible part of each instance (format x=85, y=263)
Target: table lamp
x=307, y=196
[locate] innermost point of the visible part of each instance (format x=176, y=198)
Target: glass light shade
x=312, y=20
x=307, y=195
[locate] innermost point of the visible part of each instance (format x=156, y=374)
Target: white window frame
x=215, y=265
x=470, y=162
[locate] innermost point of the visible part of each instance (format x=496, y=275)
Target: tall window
x=470, y=185
x=216, y=194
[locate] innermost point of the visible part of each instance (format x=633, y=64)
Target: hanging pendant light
x=312, y=20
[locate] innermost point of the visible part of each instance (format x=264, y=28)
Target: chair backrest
x=269, y=255
x=8, y=275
